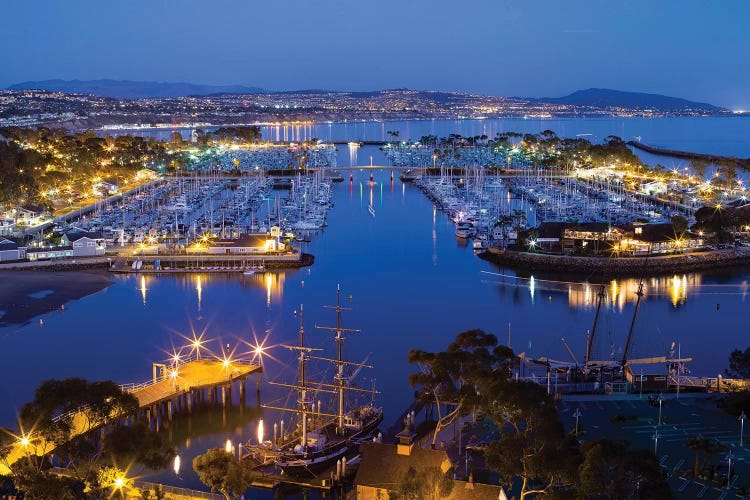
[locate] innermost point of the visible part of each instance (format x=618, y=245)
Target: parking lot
x=631, y=417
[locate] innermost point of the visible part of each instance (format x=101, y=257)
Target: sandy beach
x=24, y=295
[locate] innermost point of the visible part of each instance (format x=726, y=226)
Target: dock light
x=228, y=447
x=174, y=374
x=260, y=431
x=532, y=243
x=24, y=441
x=119, y=483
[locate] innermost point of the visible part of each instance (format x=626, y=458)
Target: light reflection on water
x=413, y=285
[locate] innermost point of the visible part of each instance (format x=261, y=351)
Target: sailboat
x=321, y=437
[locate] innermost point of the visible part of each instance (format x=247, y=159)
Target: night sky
x=687, y=48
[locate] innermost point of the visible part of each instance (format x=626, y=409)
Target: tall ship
x=321, y=436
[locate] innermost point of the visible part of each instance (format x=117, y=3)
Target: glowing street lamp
x=730, y=457
x=660, y=400
x=577, y=414
x=742, y=419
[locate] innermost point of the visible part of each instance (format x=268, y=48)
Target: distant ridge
x=127, y=89
x=606, y=98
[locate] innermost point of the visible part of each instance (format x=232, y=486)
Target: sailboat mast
x=339, y=359
x=639, y=293
x=590, y=343
x=303, y=391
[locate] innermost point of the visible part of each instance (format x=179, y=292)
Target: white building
x=105, y=188
x=10, y=250
x=87, y=244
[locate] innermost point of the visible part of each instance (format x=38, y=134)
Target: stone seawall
x=620, y=266
x=77, y=264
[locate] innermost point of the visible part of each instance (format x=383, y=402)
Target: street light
x=742, y=418
x=729, y=468
x=660, y=400
x=577, y=414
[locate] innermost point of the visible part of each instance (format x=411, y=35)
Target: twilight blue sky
x=696, y=49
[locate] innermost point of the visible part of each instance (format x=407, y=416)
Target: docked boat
x=321, y=436
x=464, y=230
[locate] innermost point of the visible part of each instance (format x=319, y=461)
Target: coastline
x=26, y=295
x=620, y=266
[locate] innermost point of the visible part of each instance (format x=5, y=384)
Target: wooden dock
x=173, y=387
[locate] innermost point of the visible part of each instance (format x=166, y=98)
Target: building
x=645, y=239
x=28, y=215
x=10, y=250
x=7, y=225
x=246, y=244
x=87, y=244
x=105, y=188
x=590, y=237
x=384, y=466
x=49, y=253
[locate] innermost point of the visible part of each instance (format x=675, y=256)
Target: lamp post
x=742, y=418
x=730, y=457
x=577, y=414
x=660, y=400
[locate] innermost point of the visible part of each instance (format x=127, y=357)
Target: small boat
x=248, y=272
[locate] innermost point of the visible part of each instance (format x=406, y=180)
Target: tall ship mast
x=321, y=436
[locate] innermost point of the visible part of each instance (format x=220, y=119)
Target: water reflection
x=620, y=292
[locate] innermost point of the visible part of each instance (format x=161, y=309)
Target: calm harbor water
x=716, y=135
x=410, y=284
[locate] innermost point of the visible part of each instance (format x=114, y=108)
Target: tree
x=427, y=484
x=679, y=225
x=138, y=443
x=700, y=445
x=739, y=364
x=609, y=470
x=454, y=378
x=532, y=443
x=221, y=472
x=699, y=167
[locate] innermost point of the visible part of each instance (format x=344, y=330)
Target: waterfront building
x=255, y=243
x=87, y=244
x=49, y=253
x=10, y=250
x=646, y=239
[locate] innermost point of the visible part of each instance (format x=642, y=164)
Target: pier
x=175, y=386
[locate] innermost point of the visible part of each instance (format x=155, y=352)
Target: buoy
x=295, y=312
x=62, y=307
x=351, y=177
x=41, y=322
x=350, y=298
x=303, y=283
x=718, y=306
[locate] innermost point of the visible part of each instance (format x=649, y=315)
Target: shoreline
x=743, y=163
x=38, y=292
x=620, y=266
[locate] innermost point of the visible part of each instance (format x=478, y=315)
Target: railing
x=180, y=492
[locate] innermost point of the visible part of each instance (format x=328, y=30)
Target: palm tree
x=707, y=446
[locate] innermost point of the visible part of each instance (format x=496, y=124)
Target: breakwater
x=619, y=266
x=743, y=163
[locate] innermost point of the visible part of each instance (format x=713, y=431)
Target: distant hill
x=602, y=98
x=126, y=89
